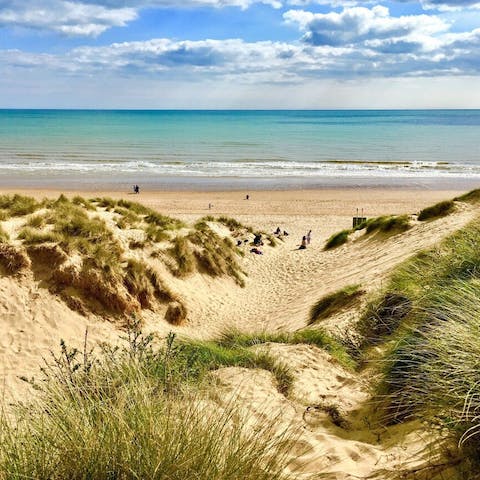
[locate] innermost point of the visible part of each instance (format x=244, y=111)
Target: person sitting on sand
x=258, y=239
x=256, y=251
x=303, y=246
x=277, y=231
x=285, y=233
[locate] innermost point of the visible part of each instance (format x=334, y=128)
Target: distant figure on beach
x=210, y=206
x=136, y=189
x=285, y=233
x=247, y=197
x=258, y=239
x=278, y=231
x=303, y=246
x=309, y=237
x=256, y=251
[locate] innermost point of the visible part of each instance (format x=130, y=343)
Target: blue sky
x=239, y=54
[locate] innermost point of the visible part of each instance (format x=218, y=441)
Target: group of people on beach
x=306, y=239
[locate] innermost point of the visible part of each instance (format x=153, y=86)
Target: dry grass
x=183, y=255
x=13, y=259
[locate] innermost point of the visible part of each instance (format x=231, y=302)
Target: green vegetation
x=472, y=196
x=215, y=255
x=103, y=278
x=391, y=224
x=337, y=239
x=388, y=224
x=317, y=337
x=36, y=221
x=429, y=315
x=441, y=209
x=335, y=302
x=18, y=205
x=128, y=414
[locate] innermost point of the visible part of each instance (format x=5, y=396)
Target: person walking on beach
x=309, y=237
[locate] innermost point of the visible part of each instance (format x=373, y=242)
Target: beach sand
x=281, y=286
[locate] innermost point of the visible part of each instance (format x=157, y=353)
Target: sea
x=222, y=149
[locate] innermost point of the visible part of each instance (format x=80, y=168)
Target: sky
x=210, y=54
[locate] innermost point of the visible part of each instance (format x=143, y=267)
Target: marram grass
x=431, y=366
x=118, y=416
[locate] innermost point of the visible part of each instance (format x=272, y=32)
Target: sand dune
x=281, y=286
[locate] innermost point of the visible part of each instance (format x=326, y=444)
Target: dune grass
x=18, y=205
x=337, y=239
x=334, y=302
x=13, y=259
x=429, y=316
x=183, y=255
x=471, y=196
x=128, y=414
x=388, y=224
x=441, y=209
x=317, y=337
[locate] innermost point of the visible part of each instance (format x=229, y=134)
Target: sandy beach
x=281, y=286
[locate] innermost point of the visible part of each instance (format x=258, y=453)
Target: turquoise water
x=46, y=145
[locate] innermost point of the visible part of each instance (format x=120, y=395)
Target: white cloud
x=359, y=24
x=93, y=17
x=66, y=17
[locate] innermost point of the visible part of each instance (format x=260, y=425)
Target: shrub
x=337, y=239
x=335, y=302
x=441, y=209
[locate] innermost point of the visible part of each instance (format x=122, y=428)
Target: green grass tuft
x=18, y=205
x=441, y=209
x=388, y=224
x=318, y=337
x=335, y=302
x=337, y=239
x=472, y=196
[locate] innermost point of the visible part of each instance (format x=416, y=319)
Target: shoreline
x=231, y=184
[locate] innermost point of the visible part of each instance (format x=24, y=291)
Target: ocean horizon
x=239, y=148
